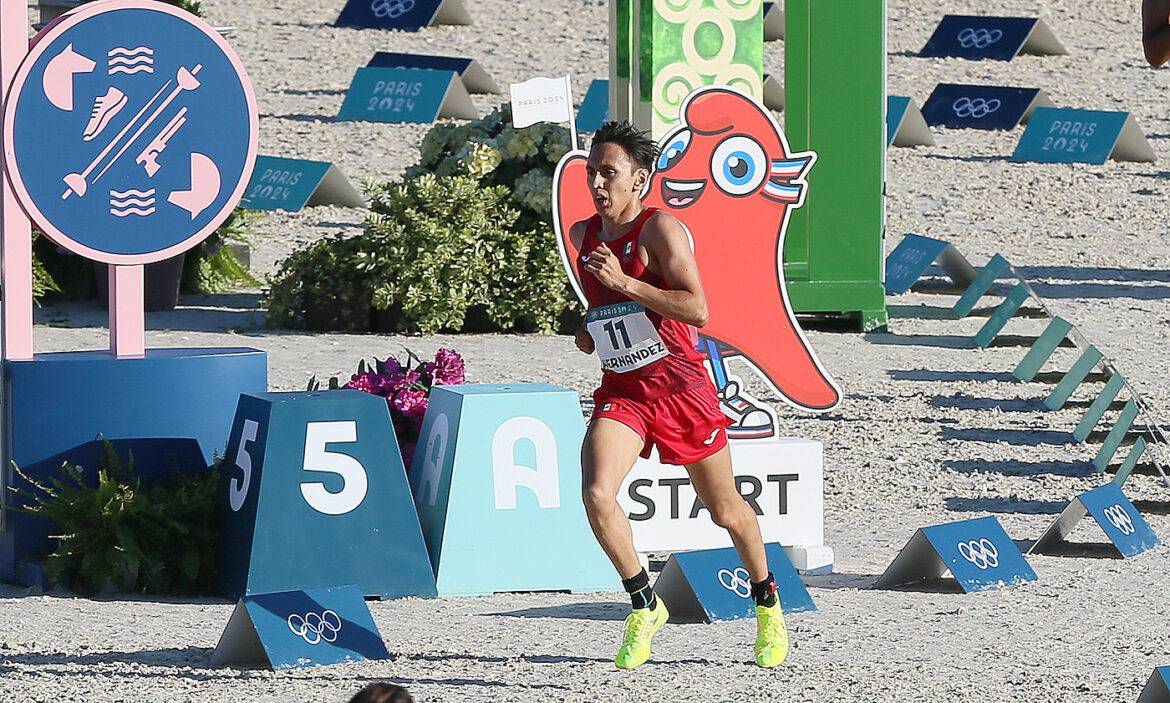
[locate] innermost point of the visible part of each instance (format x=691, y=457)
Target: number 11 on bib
x=624, y=336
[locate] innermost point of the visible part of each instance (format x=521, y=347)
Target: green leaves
x=434, y=251
x=117, y=536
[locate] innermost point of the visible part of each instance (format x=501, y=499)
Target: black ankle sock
x=641, y=595
x=764, y=592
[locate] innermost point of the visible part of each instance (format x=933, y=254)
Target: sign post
x=129, y=134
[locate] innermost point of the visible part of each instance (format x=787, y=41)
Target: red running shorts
x=686, y=427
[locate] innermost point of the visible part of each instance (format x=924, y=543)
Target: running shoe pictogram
x=104, y=109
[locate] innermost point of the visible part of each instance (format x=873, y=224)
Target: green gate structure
x=834, y=83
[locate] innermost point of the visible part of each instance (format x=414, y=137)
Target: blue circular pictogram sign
x=130, y=131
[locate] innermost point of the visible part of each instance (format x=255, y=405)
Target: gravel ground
x=932, y=430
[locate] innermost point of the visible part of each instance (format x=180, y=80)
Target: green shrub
x=497, y=154
x=120, y=536
x=192, y=6
x=436, y=254
x=212, y=267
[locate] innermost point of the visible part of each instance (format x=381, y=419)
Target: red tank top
x=682, y=369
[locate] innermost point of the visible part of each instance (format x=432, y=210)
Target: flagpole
x=572, y=112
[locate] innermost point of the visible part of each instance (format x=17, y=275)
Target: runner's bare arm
x=1156, y=31
x=582, y=338
x=671, y=258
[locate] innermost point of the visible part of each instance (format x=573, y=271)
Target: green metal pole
x=834, y=57
x=621, y=64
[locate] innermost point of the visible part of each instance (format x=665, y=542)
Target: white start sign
x=781, y=480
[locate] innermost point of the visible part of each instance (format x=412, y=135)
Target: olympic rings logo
x=979, y=38
x=981, y=553
x=1119, y=518
x=314, y=628
x=977, y=108
x=736, y=581
x=391, y=8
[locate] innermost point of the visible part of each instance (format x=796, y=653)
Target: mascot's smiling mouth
x=680, y=194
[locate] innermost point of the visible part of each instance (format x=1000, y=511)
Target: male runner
x=645, y=299
x=1156, y=31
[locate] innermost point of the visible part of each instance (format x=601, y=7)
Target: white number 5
x=238, y=491
x=351, y=471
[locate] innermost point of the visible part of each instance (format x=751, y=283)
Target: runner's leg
x=715, y=485
x=607, y=456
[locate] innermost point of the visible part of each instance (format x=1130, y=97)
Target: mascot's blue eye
x=739, y=165
x=676, y=146
x=738, y=168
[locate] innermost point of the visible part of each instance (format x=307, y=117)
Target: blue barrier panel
x=1122, y=523
x=291, y=184
x=1113, y=440
x=158, y=406
x=394, y=59
x=977, y=553
x=313, y=493
x=773, y=21
x=998, y=319
x=405, y=95
x=500, y=465
x=1131, y=460
x=909, y=260
x=594, y=110
x=895, y=109
x=997, y=38
x=904, y=123
x=713, y=585
x=1073, y=378
x=474, y=77
x=1066, y=136
x=1042, y=349
x=1098, y=407
x=981, y=106
x=299, y=629
x=404, y=15
x=988, y=275
x=1157, y=689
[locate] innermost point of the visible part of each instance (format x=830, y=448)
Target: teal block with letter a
x=312, y=494
x=497, y=484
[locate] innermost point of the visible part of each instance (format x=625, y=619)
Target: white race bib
x=624, y=337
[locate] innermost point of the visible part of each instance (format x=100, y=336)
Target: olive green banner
x=681, y=45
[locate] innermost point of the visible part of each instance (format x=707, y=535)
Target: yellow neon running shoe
x=641, y=626
x=771, y=637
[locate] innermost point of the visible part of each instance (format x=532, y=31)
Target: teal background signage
x=594, y=110
x=283, y=184
x=1065, y=136
x=396, y=95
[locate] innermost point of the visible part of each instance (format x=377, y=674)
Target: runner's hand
x=602, y=263
x=584, y=340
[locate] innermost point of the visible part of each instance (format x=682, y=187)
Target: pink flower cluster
x=407, y=390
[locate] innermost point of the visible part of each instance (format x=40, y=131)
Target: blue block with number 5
x=497, y=483
x=313, y=494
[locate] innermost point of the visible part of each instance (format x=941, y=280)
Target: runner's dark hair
x=637, y=144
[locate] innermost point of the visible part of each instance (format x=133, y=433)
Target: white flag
x=541, y=100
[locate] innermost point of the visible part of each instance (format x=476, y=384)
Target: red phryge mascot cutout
x=728, y=175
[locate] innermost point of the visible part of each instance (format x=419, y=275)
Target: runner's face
x=614, y=179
